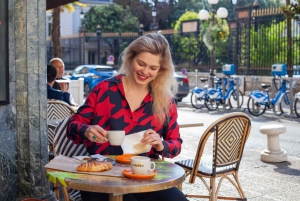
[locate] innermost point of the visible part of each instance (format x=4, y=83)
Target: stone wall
x=23, y=130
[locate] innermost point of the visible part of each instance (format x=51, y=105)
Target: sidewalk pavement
x=260, y=181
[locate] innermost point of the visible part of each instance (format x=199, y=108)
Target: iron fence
x=256, y=41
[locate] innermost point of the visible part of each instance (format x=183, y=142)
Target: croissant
x=94, y=166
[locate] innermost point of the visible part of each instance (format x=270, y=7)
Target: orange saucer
x=129, y=174
x=124, y=158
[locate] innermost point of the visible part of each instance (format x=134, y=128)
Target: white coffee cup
x=141, y=165
x=116, y=137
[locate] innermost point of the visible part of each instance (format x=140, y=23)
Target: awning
x=55, y=3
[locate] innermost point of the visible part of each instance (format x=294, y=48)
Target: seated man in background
x=60, y=68
x=62, y=94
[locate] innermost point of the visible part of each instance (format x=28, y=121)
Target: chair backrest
x=76, y=89
x=62, y=145
x=230, y=133
x=57, y=109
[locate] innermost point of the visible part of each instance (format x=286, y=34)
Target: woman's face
x=145, y=67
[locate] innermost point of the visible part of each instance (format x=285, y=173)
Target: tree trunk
x=55, y=32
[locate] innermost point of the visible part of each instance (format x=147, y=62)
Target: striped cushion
x=62, y=145
x=205, y=166
x=57, y=110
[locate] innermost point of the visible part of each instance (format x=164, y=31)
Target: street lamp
x=81, y=16
x=204, y=15
x=154, y=24
x=99, y=34
x=141, y=29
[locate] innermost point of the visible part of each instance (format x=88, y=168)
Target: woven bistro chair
x=63, y=146
x=57, y=109
x=230, y=133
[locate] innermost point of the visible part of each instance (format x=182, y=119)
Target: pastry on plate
x=94, y=166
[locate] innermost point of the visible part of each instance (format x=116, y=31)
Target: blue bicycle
x=198, y=95
x=259, y=101
x=229, y=100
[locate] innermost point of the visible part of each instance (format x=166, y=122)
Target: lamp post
x=99, y=34
x=141, y=29
x=154, y=24
x=82, y=29
x=203, y=15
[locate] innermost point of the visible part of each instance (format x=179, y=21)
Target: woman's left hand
x=154, y=139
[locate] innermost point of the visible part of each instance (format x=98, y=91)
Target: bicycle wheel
x=197, y=101
x=255, y=108
x=210, y=104
x=233, y=99
x=297, y=107
x=285, y=103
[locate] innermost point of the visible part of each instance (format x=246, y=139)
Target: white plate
x=63, y=81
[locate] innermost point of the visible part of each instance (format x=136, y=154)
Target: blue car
x=92, y=75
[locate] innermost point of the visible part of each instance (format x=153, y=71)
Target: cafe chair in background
x=63, y=146
x=229, y=133
x=57, y=109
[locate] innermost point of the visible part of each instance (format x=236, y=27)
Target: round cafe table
x=168, y=175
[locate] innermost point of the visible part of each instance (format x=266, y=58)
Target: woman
x=62, y=94
x=139, y=98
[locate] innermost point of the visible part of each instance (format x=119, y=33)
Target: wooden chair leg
x=212, y=189
x=66, y=194
x=56, y=191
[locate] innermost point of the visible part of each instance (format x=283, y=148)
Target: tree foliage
x=55, y=29
x=111, y=18
x=292, y=10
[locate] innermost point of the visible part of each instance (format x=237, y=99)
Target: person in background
x=139, y=98
x=62, y=94
x=60, y=68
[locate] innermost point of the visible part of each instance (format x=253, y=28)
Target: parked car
x=183, y=87
x=92, y=75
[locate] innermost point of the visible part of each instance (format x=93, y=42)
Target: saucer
x=124, y=158
x=129, y=174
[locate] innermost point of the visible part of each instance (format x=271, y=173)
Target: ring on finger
x=94, y=137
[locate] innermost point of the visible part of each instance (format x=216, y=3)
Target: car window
x=103, y=69
x=77, y=70
x=84, y=70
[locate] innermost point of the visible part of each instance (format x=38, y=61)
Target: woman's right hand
x=64, y=87
x=96, y=133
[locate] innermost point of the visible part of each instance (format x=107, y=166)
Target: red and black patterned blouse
x=106, y=106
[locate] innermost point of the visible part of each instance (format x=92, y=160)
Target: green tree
x=111, y=18
x=186, y=45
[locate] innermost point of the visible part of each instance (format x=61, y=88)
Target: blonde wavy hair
x=164, y=86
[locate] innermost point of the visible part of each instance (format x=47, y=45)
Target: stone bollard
x=274, y=153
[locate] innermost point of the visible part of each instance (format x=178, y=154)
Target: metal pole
x=84, y=36
x=212, y=51
x=98, y=50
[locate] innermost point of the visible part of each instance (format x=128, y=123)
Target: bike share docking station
x=226, y=92
x=281, y=99
x=230, y=71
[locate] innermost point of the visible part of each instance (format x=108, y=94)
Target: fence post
x=196, y=77
x=237, y=84
x=291, y=95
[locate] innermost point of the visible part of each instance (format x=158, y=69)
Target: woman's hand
x=96, y=133
x=154, y=139
x=64, y=87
